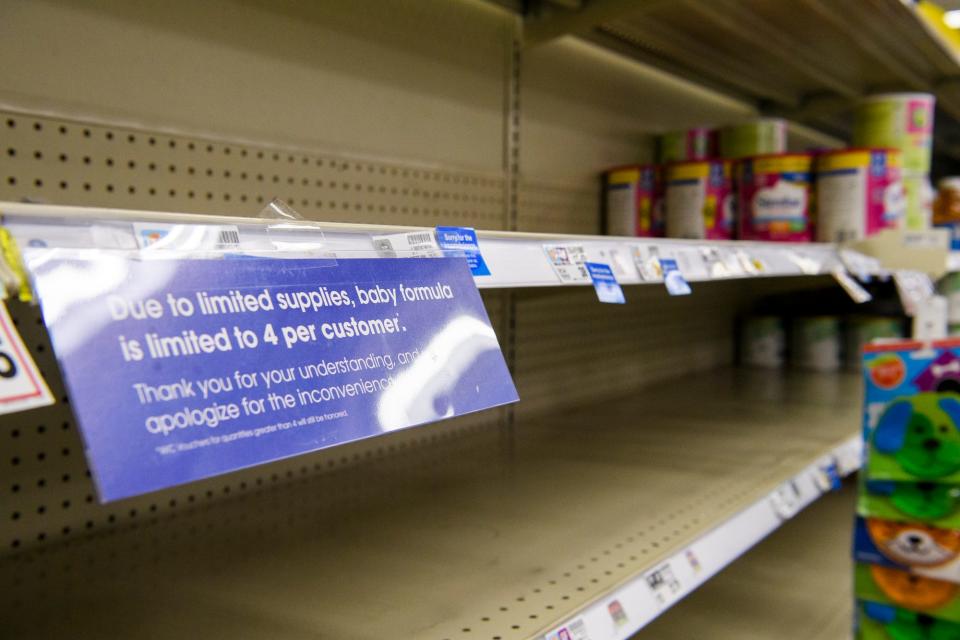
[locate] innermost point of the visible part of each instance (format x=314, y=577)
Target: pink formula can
x=634, y=201
x=774, y=197
x=859, y=192
x=699, y=201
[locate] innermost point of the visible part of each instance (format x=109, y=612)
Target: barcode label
x=416, y=244
x=419, y=238
x=186, y=237
x=228, y=238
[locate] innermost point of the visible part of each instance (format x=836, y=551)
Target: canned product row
x=740, y=182
x=813, y=343
x=830, y=196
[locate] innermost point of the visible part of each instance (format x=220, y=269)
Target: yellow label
x=11, y=254
x=623, y=176
x=710, y=212
x=645, y=220
x=894, y=158
x=846, y=160
x=782, y=164
x=688, y=171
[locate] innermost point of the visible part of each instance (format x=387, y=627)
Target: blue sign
x=605, y=283
x=676, y=284
x=183, y=369
x=462, y=241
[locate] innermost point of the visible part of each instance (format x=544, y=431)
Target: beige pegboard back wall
x=68, y=162
x=388, y=79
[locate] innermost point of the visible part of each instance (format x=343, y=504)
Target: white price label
x=691, y=264
x=731, y=261
x=575, y=630
x=713, y=262
x=807, y=265
x=617, y=613
x=860, y=265
x=748, y=264
x=567, y=261
x=933, y=239
x=21, y=385
x=647, y=262
x=930, y=319
x=857, y=293
x=619, y=260
x=785, y=500
x=914, y=288
x=663, y=584
x=187, y=237
x=414, y=244
x=849, y=459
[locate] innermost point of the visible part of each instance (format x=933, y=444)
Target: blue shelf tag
x=605, y=283
x=676, y=284
x=182, y=369
x=462, y=241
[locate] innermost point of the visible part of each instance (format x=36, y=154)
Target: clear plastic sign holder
x=514, y=259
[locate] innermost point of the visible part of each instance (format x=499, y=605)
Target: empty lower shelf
x=693, y=471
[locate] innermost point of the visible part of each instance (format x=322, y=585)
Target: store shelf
x=805, y=59
x=515, y=259
x=795, y=585
x=698, y=469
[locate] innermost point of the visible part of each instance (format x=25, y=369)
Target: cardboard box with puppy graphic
x=912, y=412
x=907, y=534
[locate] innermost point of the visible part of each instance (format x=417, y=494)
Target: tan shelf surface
x=796, y=584
x=593, y=498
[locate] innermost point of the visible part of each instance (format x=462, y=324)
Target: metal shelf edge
x=652, y=592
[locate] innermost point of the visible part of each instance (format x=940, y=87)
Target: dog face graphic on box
x=900, y=624
x=910, y=591
x=923, y=500
x=921, y=433
x=914, y=544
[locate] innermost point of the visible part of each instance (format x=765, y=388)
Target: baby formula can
x=760, y=137
x=918, y=196
x=762, y=342
x=859, y=192
x=699, y=200
x=634, y=201
x=774, y=197
x=901, y=121
x=815, y=343
x=698, y=143
x=861, y=330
